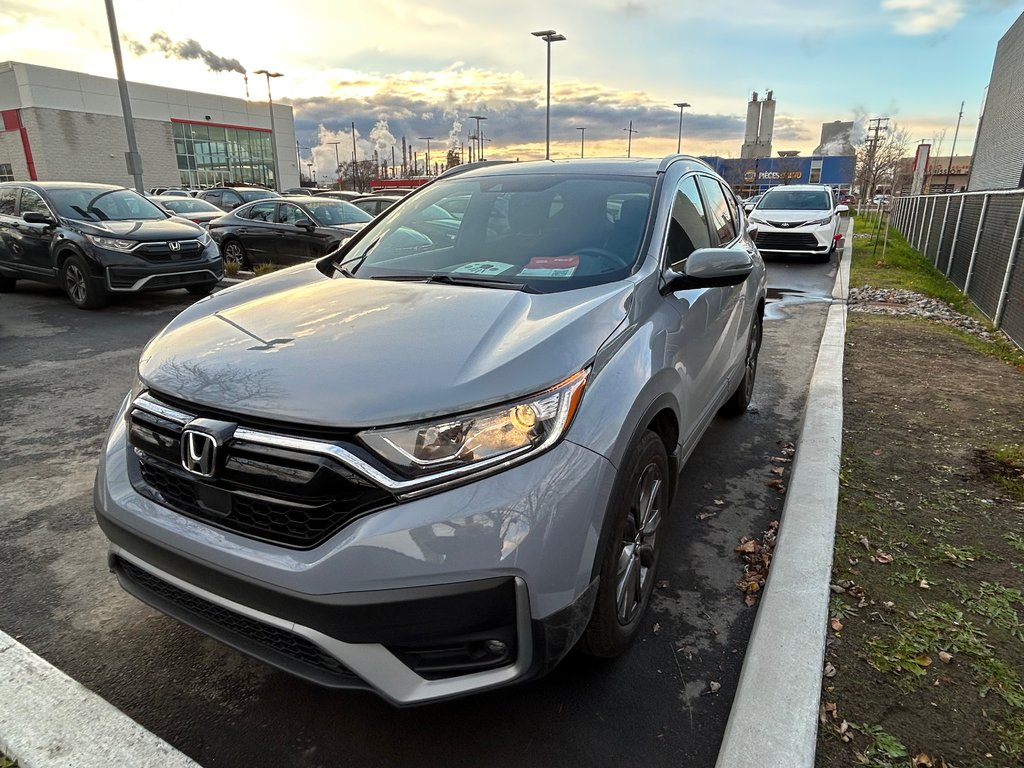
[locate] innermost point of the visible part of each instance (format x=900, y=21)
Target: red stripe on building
x=218, y=125
x=12, y=122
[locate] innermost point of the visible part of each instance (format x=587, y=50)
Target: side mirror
x=305, y=224
x=37, y=217
x=842, y=208
x=710, y=268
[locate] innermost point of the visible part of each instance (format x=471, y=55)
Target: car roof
x=615, y=166
x=45, y=185
x=801, y=187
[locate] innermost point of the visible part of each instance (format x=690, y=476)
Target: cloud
x=923, y=17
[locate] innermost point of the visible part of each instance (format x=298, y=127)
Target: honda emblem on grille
x=198, y=453
x=174, y=245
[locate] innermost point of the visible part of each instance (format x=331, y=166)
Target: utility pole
x=479, y=136
x=355, y=163
x=679, y=140
x=273, y=131
x=583, y=133
x=427, y=139
x=877, y=128
x=953, y=150
x=629, y=142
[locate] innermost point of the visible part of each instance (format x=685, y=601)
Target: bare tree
x=878, y=161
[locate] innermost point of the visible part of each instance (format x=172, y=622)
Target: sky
x=418, y=68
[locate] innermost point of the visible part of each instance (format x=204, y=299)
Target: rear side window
x=213, y=197
x=7, y=197
x=290, y=214
x=688, y=227
x=723, y=227
x=259, y=212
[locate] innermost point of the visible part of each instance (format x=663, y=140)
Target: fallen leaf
x=778, y=470
x=662, y=584
x=830, y=670
x=777, y=485
x=708, y=486
x=657, y=627
x=888, y=605
x=923, y=660
x=822, y=717
x=706, y=515
x=882, y=557
x=715, y=687
x=837, y=625
x=865, y=543
x=750, y=600
x=877, y=451
x=945, y=657
x=922, y=760
x=923, y=584
x=843, y=727
x=837, y=589
x=780, y=459
x=748, y=546
x=830, y=707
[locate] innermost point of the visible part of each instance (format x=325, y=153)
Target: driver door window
x=688, y=227
x=30, y=201
x=290, y=214
x=260, y=212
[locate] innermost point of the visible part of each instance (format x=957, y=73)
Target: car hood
x=162, y=229
x=304, y=349
x=783, y=215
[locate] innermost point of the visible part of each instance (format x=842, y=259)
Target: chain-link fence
x=974, y=239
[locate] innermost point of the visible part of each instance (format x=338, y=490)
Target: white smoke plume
x=382, y=140
x=187, y=50
x=325, y=157
x=455, y=134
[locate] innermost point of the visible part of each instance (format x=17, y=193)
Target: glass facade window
x=6, y=172
x=211, y=155
x=815, y=175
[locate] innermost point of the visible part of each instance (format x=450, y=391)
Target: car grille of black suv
x=787, y=241
x=279, y=495
x=183, y=250
x=274, y=645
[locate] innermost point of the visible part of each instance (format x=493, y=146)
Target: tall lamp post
x=427, y=139
x=309, y=165
x=337, y=164
x=583, y=132
x=629, y=142
x=273, y=133
x=133, y=157
x=549, y=36
x=952, y=152
x=479, y=136
x=679, y=140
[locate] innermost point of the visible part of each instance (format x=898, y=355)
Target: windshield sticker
x=482, y=268
x=551, y=266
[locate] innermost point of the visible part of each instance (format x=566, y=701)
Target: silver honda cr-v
x=438, y=459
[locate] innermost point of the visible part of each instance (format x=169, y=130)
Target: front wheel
x=83, y=291
x=737, y=404
x=639, y=504
x=234, y=253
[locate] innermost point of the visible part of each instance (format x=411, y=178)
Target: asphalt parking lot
x=63, y=372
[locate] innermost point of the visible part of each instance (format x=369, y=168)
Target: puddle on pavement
x=779, y=298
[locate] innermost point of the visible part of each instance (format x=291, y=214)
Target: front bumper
x=130, y=272
x=805, y=240
x=471, y=588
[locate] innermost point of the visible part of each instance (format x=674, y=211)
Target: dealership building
x=68, y=126
x=748, y=176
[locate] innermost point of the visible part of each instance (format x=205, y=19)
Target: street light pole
x=479, y=136
x=337, y=164
x=427, y=139
x=629, y=142
x=549, y=36
x=273, y=133
x=583, y=132
x=679, y=140
x=132, y=156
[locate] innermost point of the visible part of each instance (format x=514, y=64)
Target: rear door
x=258, y=231
x=296, y=243
x=8, y=209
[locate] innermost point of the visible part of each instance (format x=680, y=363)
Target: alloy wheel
x=75, y=282
x=637, y=555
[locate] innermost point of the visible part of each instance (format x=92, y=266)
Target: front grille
x=788, y=241
x=244, y=631
x=125, y=278
x=161, y=252
x=787, y=224
x=282, y=496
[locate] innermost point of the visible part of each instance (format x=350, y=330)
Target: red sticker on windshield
x=551, y=266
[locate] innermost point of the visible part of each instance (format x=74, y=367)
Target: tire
x=233, y=251
x=203, y=289
x=83, y=292
x=7, y=284
x=629, y=557
x=737, y=404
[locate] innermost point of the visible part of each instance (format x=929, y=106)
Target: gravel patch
x=894, y=301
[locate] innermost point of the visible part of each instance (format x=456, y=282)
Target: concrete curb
x=774, y=717
x=47, y=720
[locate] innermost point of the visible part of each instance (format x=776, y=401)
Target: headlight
x=467, y=443
x=112, y=243
x=819, y=222
x=756, y=219
x=205, y=239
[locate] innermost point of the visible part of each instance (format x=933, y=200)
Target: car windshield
x=256, y=194
x=189, y=205
x=104, y=205
x=543, y=231
x=331, y=212
x=795, y=200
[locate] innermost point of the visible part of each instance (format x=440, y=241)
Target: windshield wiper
x=340, y=268
x=446, y=279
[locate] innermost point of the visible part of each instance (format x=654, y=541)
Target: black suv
x=97, y=239
x=229, y=198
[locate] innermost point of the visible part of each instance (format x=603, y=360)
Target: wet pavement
x=63, y=373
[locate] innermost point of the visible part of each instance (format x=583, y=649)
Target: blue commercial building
x=748, y=176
